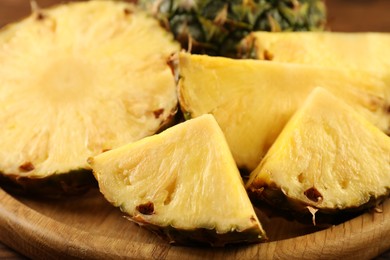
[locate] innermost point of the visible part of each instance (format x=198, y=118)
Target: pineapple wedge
x=76, y=80
x=182, y=184
x=252, y=100
x=327, y=157
x=367, y=51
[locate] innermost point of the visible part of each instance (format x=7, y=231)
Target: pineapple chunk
x=252, y=100
x=78, y=79
x=183, y=184
x=367, y=51
x=328, y=157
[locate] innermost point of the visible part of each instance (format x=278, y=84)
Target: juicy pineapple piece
x=183, y=184
x=78, y=79
x=367, y=51
x=328, y=157
x=252, y=100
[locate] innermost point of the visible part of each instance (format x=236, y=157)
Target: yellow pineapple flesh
x=182, y=184
x=327, y=157
x=368, y=51
x=252, y=100
x=78, y=79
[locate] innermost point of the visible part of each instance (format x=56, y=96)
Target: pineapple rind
x=328, y=147
x=88, y=81
x=188, y=174
x=280, y=204
x=202, y=236
x=248, y=97
x=55, y=186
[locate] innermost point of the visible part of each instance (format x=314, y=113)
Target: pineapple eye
x=40, y=16
x=301, y=177
x=26, y=167
x=157, y=113
x=146, y=208
x=313, y=194
x=268, y=55
x=127, y=11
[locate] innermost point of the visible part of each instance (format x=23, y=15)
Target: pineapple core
x=78, y=79
x=328, y=156
x=184, y=178
x=71, y=81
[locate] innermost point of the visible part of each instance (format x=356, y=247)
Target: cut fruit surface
x=78, y=79
x=367, y=51
x=183, y=184
x=328, y=157
x=252, y=100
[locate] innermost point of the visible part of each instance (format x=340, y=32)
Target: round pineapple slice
x=328, y=157
x=182, y=184
x=79, y=79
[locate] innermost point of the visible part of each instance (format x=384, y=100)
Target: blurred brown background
x=343, y=15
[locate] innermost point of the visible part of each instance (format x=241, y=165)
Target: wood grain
x=88, y=227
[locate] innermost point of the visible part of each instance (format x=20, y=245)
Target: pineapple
x=328, y=158
x=356, y=51
x=182, y=184
x=367, y=51
x=252, y=100
x=76, y=80
x=216, y=27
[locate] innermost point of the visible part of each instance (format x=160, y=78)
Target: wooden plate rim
x=27, y=231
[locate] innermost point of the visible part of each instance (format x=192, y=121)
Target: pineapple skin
x=216, y=27
x=201, y=236
x=55, y=186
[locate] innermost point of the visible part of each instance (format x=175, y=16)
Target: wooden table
x=344, y=15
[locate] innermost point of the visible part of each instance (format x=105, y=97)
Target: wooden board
x=89, y=227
